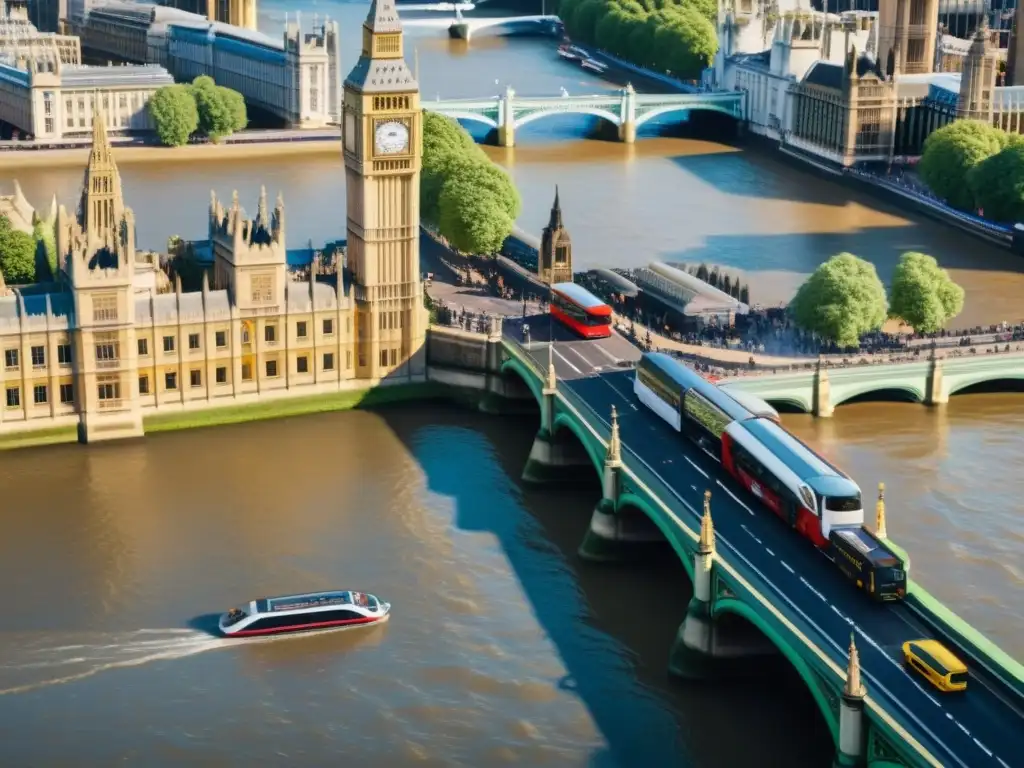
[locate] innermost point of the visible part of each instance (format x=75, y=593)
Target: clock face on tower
x=391, y=138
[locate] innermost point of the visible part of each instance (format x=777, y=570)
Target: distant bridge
x=463, y=28
x=931, y=382
x=627, y=110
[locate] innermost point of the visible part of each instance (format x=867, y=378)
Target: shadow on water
x=612, y=626
x=206, y=623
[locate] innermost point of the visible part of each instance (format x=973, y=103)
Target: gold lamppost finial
x=614, y=442
x=854, y=687
x=706, y=544
x=880, y=513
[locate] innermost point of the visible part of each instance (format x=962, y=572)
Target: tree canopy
x=841, y=300
x=951, y=152
x=217, y=117
x=174, y=113
x=674, y=36
x=46, y=249
x=17, y=254
x=471, y=201
x=922, y=293
x=997, y=183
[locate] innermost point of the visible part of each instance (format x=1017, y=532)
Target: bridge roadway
x=982, y=727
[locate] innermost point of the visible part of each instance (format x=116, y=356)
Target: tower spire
x=614, y=455
x=555, y=222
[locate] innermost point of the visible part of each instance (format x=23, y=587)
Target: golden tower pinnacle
x=706, y=545
x=880, y=513
x=854, y=688
x=552, y=382
x=614, y=443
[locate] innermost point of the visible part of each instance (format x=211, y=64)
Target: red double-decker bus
x=577, y=308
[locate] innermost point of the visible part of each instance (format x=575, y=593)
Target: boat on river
x=301, y=613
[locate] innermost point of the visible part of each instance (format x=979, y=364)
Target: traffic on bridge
x=981, y=726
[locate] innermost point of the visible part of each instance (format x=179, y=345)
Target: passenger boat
x=594, y=66
x=300, y=613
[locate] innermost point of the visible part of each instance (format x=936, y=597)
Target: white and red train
x=805, y=490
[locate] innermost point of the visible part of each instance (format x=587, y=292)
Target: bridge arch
x=845, y=395
x=513, y=366
x=478, y=25
x=595, y=452
x=672, y=533
x=739, y=608
x=958, y=384
x=592, y=111
x=795, y=402
x=685, y=107
x=471, y=117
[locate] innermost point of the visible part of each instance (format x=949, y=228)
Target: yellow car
x=933, y=661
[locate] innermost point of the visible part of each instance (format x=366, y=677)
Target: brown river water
x=503, y=648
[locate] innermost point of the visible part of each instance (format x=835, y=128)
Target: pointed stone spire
x=262, y=213
x=552, y=381
x=382, y=17
x=555, y=222
x=101, y=153
x=614, y=455
x=706, y=545
x=854, y=688
x=880, y=513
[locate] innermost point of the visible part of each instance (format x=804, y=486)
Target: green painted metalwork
x=594, y=450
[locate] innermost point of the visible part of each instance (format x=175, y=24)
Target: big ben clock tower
x=382, y=145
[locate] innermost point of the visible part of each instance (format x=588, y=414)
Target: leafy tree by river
x=674, y=36
x=923, y=295
x=178, y=111
x=951, y=154
x=17, y=254
x=998, y=183
x=472, y=202
x=841, y=300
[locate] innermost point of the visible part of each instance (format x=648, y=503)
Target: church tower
x=382, y=146
x=554, y=263
x=978, y=82
x=96, y=251
x=911, y=28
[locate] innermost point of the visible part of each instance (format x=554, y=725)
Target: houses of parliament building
x=101, y=348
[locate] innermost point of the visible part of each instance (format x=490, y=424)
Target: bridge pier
x=627, y=133
x=822, y=405
x=549, y=459
x=459, y=30
x=934, y=391
x=614, y=534
x=703, y=647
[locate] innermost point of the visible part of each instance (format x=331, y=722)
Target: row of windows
x=221, y=338
x=40, y=395
x=12, y=357
x=221, y=374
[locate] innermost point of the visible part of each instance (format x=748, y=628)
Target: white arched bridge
x=627, y=110
x=463, y=28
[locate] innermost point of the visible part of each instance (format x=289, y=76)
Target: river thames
x=503, y=648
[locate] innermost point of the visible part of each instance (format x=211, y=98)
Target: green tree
x=174, y=113
x=841, y=300
x=445, y=143
x=236, y=103
x=997, y=183
x=949, y=155
x=216, y=118
x=17, y=254
x=584, y=19
x=685, y=41
x=472, y=222
x=923, y=295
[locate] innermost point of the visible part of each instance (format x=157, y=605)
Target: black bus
x=867, y=562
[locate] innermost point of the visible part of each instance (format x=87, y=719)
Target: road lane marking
x=785, y=565
x=807, y=584
x=962, y=728
x=734, y=497
x=983, y=748
x=565, y=360
x=1002, y=763
x=606, y=353
x=750, y=533
x=582, y=357
x=694, y=465
x=780, y=617
x=769, y=551
x=695, y=488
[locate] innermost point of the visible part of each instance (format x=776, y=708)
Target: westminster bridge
x=655, y=486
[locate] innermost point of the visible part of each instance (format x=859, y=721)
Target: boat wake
x=37, y=664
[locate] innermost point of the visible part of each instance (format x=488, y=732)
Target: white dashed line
x=961, y=727
x=565, y=360
x=983, y=748
x=785, y=565
x=733, y=495
x=694, y=465
x=769, y=551
x=750, y=534
x=606, y=353
x=807, y=584
x=1002, y=762
x=695, y=488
